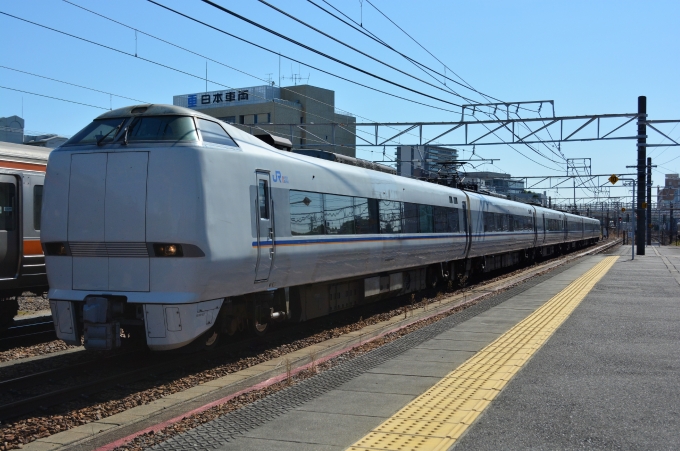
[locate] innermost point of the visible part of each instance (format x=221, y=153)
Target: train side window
x=425, y=219
x=390, y=216
x=441, y=220
x=366, y=215
x=454, y=225
x=263, y=199
x=410, y=218
x=501, y=225
x=445, y=220
x=7, y=204
x=489, y=222
x=339, y=214
x=37, y=205
x=213, y=132
x=306, y=213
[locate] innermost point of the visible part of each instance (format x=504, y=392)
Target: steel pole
x=632, y=226
x=670, y=226
x=641, y=163
x=649, y=201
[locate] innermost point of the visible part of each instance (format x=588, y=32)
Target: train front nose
x=107, y=221
x=107, y=238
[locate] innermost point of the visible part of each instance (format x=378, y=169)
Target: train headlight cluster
x=167, y=250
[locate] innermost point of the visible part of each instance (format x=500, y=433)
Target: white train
x=165, y=222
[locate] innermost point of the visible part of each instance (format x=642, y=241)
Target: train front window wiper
x=100, y=139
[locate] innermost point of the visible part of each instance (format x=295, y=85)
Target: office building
x=425, y=161
x=263, y=108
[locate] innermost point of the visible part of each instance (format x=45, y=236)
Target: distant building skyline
x=12, y=130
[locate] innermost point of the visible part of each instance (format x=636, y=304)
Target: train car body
x=22, y=263
x=164, y=220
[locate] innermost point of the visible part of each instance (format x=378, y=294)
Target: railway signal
x=613, y=179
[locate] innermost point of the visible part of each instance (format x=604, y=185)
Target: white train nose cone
x=107, y=221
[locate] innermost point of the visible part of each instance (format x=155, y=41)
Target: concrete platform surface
x=338, y=407
x=608, y=378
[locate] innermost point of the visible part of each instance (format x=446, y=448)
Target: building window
x=269, y=118
x=242, y=119
x=254, y=118
x=302, y=120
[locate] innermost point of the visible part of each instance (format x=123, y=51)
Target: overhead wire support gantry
x=474, y=132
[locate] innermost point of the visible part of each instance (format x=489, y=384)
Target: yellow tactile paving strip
x=438, y=417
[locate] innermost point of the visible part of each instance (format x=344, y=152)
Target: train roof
x=22, y=152
x=152, y=109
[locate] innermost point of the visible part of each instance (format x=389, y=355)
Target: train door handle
x=271, y=234
x=271, y=253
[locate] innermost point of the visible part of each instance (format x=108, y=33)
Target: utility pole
x=670, y=231
x=607, y=223
x=641, y=160
x=649, y=201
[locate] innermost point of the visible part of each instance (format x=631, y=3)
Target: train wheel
x=259, y=329
x=208, y=341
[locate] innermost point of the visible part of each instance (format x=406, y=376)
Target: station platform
x=583, y=356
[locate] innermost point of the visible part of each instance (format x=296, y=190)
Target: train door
x=9, y=230
x=265, y=227
x=544, y=231
x=467, y=227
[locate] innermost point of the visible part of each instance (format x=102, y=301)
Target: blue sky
x=590, y=57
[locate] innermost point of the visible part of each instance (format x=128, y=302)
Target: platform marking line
x=437, y=418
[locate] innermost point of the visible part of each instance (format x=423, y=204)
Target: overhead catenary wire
x=467, y=85
x=318, y=52
x=54, y=98
x=470, y=87
x=72, y=84
x=430, y=53
x=190, y=51
x=369, y=34
x=227, y=66
x=128, y=54
x=298, y=61
x=358, y=50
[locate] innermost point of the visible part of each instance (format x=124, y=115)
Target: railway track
x=40, y=390
x=18, y=395
x=25, y=332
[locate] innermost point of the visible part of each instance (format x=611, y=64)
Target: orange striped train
x=22, y=263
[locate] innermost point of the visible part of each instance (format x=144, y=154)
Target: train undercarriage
x=108, y=322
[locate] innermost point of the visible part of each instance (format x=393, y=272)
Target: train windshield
x=141, y=128
x=162, y=128
x=98, y=132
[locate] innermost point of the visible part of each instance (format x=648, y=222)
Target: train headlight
x=55, y=249
x=167, y=250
